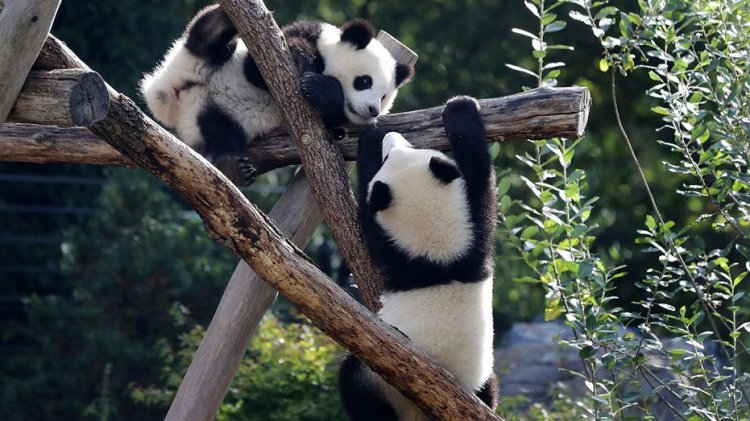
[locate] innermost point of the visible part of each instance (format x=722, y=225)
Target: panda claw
x=248, y=171
x=238, y=169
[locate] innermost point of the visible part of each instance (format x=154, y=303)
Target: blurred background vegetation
x=107, y=277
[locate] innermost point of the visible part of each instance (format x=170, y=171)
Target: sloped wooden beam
x=246, y=299
x=24, y=25
x=538, y=114
x=63, y=97
x=244, y=230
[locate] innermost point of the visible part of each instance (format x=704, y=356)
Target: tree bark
x=64, y=97
x=323, y=163
x=47, y=144
x=24, y=25
x=538, y=114
x=245, y=231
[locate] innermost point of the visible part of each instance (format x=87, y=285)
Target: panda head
x=418, y=199
x=369, y=75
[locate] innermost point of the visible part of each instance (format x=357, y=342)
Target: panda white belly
x=452, y=323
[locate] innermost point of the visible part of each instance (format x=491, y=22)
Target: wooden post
x=24, y=25
x=63, y=97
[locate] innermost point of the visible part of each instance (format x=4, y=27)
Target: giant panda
x=429, y=221
x=209, y=91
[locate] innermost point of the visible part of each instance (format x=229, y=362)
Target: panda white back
x=429, y=221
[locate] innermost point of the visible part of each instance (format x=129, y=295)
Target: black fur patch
x=489, y=392
x=362, y=399
x=302, y=39
x=225, y=145
x=404, y=73
x=252, y=74
x=358, y=32
x=211, y=35
x=444, y=170
x=326, y=94
x=380, y=197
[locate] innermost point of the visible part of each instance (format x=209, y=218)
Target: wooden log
x=241, y=309
x=49, y=144
x=244, y=230
x=24, y=25
x=63, y=97
x=539, y=114
x=323, y=163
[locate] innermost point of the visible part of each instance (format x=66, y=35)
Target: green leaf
x=603, y=65
x=521, y=69
x=584, y=270
x=555, y=26
x=529, y=232
x=586, y=352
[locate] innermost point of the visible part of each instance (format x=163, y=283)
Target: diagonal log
x=539, y=114
x=323, y=163
x=241, y=309
x=244, y=230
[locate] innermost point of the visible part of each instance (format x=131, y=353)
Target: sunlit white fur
x=452, y=323
x=225, y=86
x=427, y=218
x=344, y=62
x=178, y=107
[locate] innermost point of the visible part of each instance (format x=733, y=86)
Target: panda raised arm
x=209, y=91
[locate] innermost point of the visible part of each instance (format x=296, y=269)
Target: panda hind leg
x=489, y=392
x=212, y=36
x=359, y=394
x=225, y=145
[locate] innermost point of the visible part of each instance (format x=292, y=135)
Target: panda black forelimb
x=325, y=93
x=468, y=139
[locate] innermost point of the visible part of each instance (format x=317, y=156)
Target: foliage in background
x=288, y=373
x=130, y=265
x=695, y=53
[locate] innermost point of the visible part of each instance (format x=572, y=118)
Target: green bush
x=695, y=54
x=288, y=373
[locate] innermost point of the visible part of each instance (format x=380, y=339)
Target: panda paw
x=323, y=92
x=238, y=169
x=461, y=114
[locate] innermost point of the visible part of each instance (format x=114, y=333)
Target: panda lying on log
x=429, y=221
x=209, y=91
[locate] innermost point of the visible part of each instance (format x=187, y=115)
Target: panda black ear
x=404, y=73
x=380, y=197
x=444, y=170
x=358, y=32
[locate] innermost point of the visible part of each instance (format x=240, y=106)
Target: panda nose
x=374, y=111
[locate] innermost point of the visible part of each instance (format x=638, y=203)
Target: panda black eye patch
x=362, y=82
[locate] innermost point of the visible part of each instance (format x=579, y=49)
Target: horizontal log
x=50, y=144
x=538, y=114
x=63, y=97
